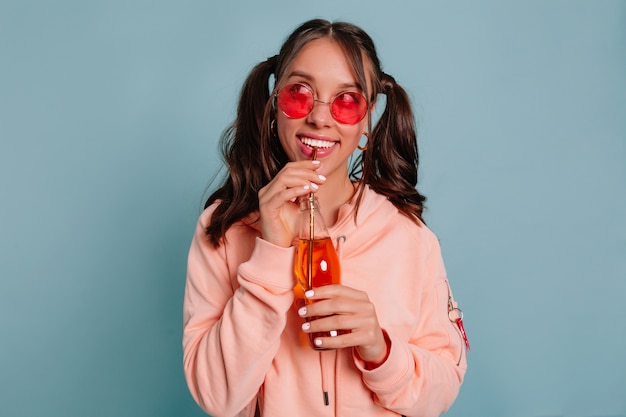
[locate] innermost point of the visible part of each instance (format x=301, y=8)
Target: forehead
x=324, y=59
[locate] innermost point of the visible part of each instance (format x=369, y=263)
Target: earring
x=364, y=148
x=273, y=131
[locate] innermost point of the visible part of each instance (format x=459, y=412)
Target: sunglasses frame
x=315, y=100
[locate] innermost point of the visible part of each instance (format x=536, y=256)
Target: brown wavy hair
x=253, y=155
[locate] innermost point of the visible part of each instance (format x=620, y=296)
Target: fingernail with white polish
x=309, y=293
x=318, y=342
x=302, y=311
x=314, y=186
x=306, y=326
x=316, y=162
x=321, y=177
x=333, y=333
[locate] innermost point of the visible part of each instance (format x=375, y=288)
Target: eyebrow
x=310, y=78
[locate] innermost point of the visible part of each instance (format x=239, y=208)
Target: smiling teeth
x=316, y=142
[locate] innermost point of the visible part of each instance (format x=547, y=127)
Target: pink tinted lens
x=295, y=101
x=349, y=108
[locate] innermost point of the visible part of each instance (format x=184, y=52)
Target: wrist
x=371, y=365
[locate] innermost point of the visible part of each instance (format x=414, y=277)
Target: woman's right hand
x=278, y=205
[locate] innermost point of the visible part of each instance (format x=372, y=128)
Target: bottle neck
x=312, y=225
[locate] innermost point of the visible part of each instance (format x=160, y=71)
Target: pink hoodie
x=242, y=340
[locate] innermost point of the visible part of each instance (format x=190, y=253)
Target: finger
x=366, y=324
x=326, y=324
x=291, y=184
x=340, y=341
x=370, y=341
x=335, y=291
x=333, y=306
x=276, y=197
x=303, y=170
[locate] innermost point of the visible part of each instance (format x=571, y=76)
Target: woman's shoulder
x=380, y=206
x=378, y=216
x=207, y=213
x=247, y=226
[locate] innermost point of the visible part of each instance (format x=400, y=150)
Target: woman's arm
x=231, y=333
x=422, y=376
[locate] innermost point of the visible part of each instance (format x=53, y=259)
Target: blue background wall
x=109, y=119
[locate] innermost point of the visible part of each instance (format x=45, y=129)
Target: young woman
x=396, y=345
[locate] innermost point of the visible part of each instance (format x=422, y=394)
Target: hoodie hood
x=374, y=216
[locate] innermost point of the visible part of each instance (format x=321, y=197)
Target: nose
x=320, y=115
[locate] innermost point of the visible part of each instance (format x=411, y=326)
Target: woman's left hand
x=343, y=308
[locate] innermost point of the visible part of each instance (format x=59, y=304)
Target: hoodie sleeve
x=422, y=376
x=231, y=333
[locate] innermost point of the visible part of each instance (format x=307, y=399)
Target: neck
x=332, y=195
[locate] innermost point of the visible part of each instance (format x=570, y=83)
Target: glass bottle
x=316, y=262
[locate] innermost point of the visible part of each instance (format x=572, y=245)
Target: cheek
x=354, y=137
x=356, y=133
x=285, y=129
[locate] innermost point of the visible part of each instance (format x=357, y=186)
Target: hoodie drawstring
x=324, y=365
x=340, y=241
x=324, y=370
